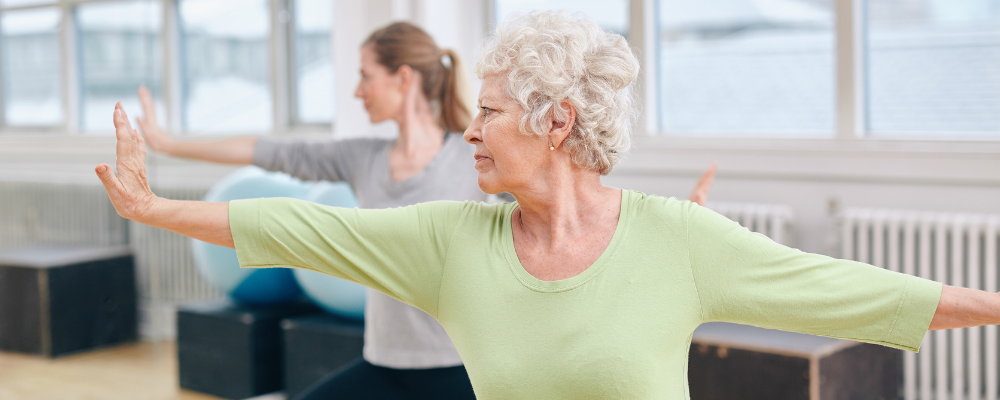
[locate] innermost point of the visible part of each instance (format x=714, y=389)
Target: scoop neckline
x=561, y=285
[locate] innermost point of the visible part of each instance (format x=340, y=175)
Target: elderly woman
x=577, y=290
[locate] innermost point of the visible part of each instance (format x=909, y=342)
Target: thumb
x=108, y=178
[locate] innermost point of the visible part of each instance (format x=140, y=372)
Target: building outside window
x=933, y=68
x=225, y=66
x=120, y=49
x=314, y=69
x=30, y=67
x=746, y=68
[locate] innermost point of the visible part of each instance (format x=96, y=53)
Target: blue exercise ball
x=220, y=266
x=335, y=295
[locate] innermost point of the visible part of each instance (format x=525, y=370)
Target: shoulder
x=473, y=210
x=465, y=216
x=362, y=143
x=653, y=206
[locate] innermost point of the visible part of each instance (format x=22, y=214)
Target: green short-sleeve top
x=620, y=329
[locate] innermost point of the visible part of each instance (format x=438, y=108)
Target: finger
x=142, y=145
x=705, y=182
x=148, y=106
x=125, y=117
x=122, y=134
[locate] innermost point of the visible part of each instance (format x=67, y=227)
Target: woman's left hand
x=700, y=193
x=129, y=190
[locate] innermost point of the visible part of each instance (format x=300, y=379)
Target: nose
x=473, y=134
x=357, y=92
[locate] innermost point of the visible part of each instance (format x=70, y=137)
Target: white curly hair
x=551, y=56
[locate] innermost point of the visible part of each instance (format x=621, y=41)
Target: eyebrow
x=486, y=99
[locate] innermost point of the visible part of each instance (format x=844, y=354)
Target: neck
x=566, y=203
x=419, y=130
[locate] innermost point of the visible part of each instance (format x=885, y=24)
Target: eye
x=486, y=111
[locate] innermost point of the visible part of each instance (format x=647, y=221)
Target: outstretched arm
x=237, y=150
x=130, y=194
x=963, y=308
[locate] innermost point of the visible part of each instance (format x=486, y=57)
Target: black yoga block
x=316, y=345
x=56, y=300
x=232, y=351
x=737, y=362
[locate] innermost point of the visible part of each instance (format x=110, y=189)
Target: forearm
x=237, y=150
x=962, y=308
x=208, y=222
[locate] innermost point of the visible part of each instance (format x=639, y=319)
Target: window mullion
x=172, y=89
x=280, y=65
x=70, y=67
x=642, y=36
x=850, y=69
x=3, y=110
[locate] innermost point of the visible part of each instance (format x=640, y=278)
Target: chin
x=489, y=186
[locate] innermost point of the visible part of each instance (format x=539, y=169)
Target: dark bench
x=56, y=300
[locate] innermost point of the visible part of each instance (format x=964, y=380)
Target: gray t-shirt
x=397, y=335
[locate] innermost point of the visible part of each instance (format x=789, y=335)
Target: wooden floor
x=136, y=371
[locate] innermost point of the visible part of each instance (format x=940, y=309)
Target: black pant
x=362, y=380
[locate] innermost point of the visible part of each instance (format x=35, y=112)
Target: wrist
x=168, y=146
x=147, y=211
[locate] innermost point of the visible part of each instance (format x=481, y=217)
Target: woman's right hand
x=129, y=190
x=158, y=140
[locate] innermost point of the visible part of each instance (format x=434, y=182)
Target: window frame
x=850, y=86
x=281, y=70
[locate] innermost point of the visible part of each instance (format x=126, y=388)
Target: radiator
x=165, y=272
x=772, y=220
x=41, y=213
x=954, y=249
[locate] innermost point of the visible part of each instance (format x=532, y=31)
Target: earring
x=551, y=147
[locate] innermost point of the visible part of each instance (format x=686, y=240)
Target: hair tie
x=445, y=59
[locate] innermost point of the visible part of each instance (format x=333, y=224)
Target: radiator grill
x=772, y=220
x=954, y=249
x=41, y=213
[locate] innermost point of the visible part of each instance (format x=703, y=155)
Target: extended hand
x=158, y=140
x=700, y=193
x=129, y=191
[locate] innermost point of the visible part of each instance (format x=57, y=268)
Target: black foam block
x=316, y=345
x=232, y=351
x=56, y=300
x=737, y=362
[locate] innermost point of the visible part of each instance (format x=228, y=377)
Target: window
x=612, y=15
x=225, y=63
x=729, y=67
x=314, y=89
x=14, y=3
x=933, y=68
x=30, y=67
x=119, y=51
